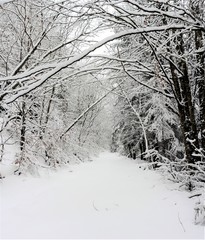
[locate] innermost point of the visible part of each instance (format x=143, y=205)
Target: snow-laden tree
x=36, y=37
x=166, y=31
x=160, y=46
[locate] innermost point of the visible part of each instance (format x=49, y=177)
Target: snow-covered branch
x=65, y=64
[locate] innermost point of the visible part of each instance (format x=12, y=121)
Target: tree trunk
x=185, y=105
x=200, y=81
x=23, y=127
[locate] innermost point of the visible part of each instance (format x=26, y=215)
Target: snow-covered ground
x=110, y=197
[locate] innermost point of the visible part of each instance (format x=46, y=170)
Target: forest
x=80, y=76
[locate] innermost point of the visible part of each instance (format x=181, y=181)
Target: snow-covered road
x=110, y=197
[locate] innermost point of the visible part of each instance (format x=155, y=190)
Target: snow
x=4, y=1
x=109, y=197
x=175, y=14
x=78, y=57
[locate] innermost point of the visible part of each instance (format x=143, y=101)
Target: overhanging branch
x=87, y=110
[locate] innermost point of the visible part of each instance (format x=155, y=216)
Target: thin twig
x=95, y=207
x=181, y=223
x=195, y=195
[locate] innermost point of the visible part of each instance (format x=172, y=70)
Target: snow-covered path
x=110, y=197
